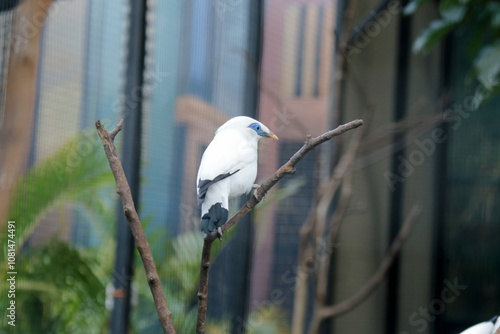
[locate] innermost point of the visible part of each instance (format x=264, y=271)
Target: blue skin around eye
x=258, y=129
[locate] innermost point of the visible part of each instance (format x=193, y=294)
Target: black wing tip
x=214, y=218
x=203, y=185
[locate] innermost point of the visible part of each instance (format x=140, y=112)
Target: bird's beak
x=272, y=135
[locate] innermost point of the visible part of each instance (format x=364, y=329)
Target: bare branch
x=379, y=275
x=375, y=280
x=336, y=222
x=118, y=128
x=344, y=173
x=142, y=244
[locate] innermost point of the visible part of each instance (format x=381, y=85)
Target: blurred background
x=422, y=74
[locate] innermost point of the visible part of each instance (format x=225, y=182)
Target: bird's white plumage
x=496, y=328
x=233, y=150
x=228, y=152
x=487, y=327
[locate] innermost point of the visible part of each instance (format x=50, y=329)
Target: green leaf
x=412, y=6
x=432, y=35
x=454, y=14
x=493, y=8
x=476, y=40
x=76, y=170
x=58, y=291
x=271, y=320
x=487, y=65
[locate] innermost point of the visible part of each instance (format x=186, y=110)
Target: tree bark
x=141, y=242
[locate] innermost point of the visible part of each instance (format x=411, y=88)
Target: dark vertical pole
x=440, y=185
x=8, y=5
x=397, y=196
x=251, y=98
x=255, y=43
x=329, y=149
x=131, y=154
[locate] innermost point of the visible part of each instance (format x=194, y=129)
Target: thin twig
x=288, y=168
x=306, y=243
x=141, y=242
x=335, y=223
x=343, y=173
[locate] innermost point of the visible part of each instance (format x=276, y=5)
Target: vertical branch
x=305, y=255
x=314, y=230
x=203, y=288
x=364, y=292
x=123, y=189
x=344, y=171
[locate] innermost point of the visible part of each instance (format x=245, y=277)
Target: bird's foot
x=254, y=187
x=219, y=231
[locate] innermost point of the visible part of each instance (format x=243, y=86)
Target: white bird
x=487, y=327
x=228, y=168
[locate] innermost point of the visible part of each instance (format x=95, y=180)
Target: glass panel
x=471, y=255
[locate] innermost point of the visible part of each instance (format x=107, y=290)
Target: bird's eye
x=258, y=127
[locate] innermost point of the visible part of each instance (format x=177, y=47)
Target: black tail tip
x=214, y=218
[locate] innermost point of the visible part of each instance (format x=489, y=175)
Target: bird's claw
x=254, y=187
x=219, y=231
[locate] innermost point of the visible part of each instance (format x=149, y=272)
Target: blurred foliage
x=60, y=287
x=59, y=292
x=180, y=276
x=481, y=20
x=267, y=319
x=179, y=273
x=76, y=172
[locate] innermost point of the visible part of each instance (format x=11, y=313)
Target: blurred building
x=294, y=95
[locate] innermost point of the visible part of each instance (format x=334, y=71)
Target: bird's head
x=249, y=126
x=262, y=130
